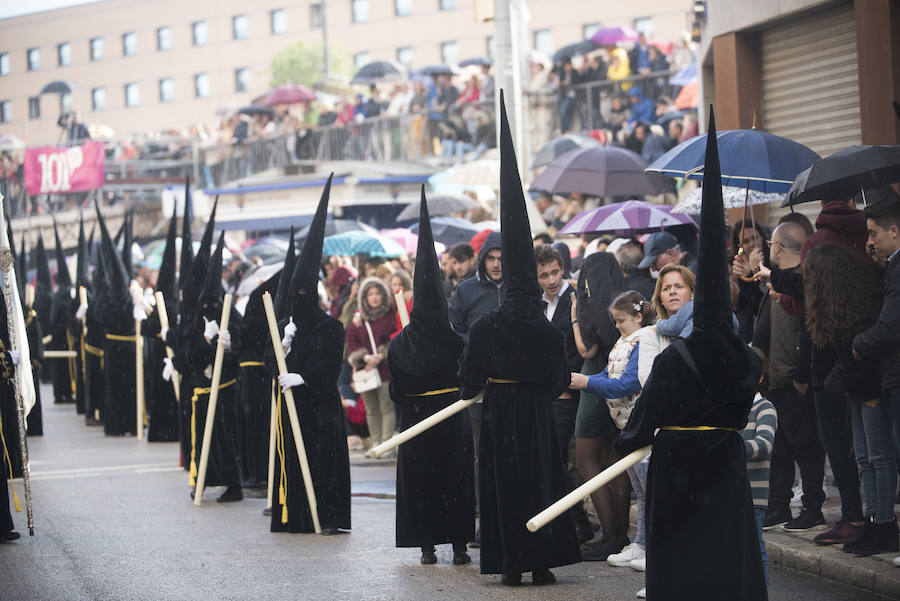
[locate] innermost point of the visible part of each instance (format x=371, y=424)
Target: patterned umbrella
x=635, y=216
x=439, y=205
x=610, y=36
x=361, y=243
x=733, y=197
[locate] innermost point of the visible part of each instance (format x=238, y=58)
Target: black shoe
x=476, y=542
x=231, y=494
x=428, y=558
x=267, y=511
x=876, y=538
x=807, y=520
x=512, y=579
x=329, y=531
x=539, y=577
x=776, y=517
x=461, y=558
x=192, y=494
x=603, y=550
x=8, y=537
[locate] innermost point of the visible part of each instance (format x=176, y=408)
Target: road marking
x=102, y=470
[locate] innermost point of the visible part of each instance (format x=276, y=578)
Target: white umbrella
x=733, y=197
x=10, y=142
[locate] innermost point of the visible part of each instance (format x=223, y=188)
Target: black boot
x=545, y=576
x=512, y=578
x=428, y=556
x=231, y=494
x=876, y=538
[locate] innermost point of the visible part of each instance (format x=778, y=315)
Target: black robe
x=222, y=469
x=255, y=395
x=701, y=532
x=435, y=470
x=8, y=411
x=64, y=370
x=35, y=419
x=162, y=407
x=80, y=363
x=315, y=354
x=119, y=402
x=94, y=344
x=520, y=469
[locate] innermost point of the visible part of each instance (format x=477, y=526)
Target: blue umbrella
x=361, y=243
x=450, y=230
x=685, y=76
x=749, y=157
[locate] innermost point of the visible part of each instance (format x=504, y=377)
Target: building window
x=644, y=25
x=403, y=8
x=239, y=26
x=360, y=10
x=64, y=54
x=241, y=79
x=65, y=103
x=199, y=33
x=34, y=108
x=449, y=53
x=129, y=44
x=164, y=39
x=5, y=111
x=4, y=63
x=589, y=30
x=279, y=21
x=543, y=41
x=166, y=89
x=98, y=98
x=132, y=94
x=360, y=59
x=201, y=85
x=491, y=46
x=447, y=4
x=406, y=56
x=97, y=49
x=315, y=15
x=34, y=59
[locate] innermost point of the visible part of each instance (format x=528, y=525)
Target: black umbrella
x=338, y=226
x=255, y=109
x=60, y=86
x=377, y=71
x=479, y=61
x=439, y=70
x=601, y=171
x=561, y=145
x=582, y=47
x=439, y=205
x=449, y=230
x=846, y=172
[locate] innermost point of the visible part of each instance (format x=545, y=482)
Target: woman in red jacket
x=366, y=353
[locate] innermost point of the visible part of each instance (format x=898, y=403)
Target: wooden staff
x=577, y=495
x=139, y=369
x=29, y=294
x=272, y=433
x=164, y=322
x=82, y=294
x=60, y=354
x=401, y=309
x=292, y=413
x=425, y=424
x=213, y=399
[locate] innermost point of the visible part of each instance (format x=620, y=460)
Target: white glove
x=225, y=339
x=289, y=331
x=81, y=312
x=163, y=332
x=149, y=300
x=290, y=380
x=15, y=357
x=210, y=329
x=169, y=370
x=138, y=313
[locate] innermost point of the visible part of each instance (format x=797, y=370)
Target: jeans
x=637, y=473
x=760, y=514
x=873, y=443
x=836, y=437
x=894, y=396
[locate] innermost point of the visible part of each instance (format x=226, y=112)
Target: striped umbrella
x=361, y=243
x=634, y=216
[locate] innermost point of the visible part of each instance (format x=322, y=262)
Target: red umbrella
x=289, y=95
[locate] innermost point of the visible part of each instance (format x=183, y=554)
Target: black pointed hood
x=117, y=278
x=730, y=370
x=9, y=234
x=521, y=292
x=428, y=343
x=21, y=267
x=165, y=280
x=82, y=269
x=199, y=267
x=44, y=284
x=127, y=243
x=303, y=297
x=283, y=287
x=63, y=279
x=210, y=301
x=187, y=243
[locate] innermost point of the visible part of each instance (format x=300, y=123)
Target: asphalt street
x=114, y=521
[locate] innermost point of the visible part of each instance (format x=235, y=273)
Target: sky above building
x=15, y=8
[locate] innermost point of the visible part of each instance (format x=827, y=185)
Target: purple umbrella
x=634, y=216
x=601, y=171
x=610, y=36
x=289, y=95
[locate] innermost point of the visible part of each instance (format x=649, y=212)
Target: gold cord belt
x=251, y=364
x=7, y=458
x=198, y=391
x=437, y=392
x=121, y=338
x=698, y=428
x=502, y=381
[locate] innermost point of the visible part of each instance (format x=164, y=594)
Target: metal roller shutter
x=810, y=85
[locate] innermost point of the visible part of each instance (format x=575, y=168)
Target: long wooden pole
x=401, y=309
x=577, y=495
x=139, y=377
x=272, y=433
x=292, y=413
x=213, y=399
x=164, y=322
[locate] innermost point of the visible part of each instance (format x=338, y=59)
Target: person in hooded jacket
x=313, y=341
x=435, y=477
x=480, y=293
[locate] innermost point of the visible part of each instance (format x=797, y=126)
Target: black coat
x=477, y=295
x=254, y=395
x=882, y=340
x=520, y=468
x=435, y=470
x=35, y=419
x=162, y=407
x=701, y=531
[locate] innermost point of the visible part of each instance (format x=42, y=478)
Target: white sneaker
x=628, y=554
x=639, y=565
x=897, y=561
x=642, y=594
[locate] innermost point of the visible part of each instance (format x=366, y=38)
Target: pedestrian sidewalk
x=796, y=550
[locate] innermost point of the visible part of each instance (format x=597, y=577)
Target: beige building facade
x=152, y=65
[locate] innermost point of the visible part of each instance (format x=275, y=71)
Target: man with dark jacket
x=462, y=266
x=784, y=340
x=480, y=293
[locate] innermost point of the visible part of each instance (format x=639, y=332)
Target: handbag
x=367, y=379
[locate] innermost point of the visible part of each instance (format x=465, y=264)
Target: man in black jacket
x=480, y=293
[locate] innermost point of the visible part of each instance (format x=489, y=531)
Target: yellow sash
x=198, y=392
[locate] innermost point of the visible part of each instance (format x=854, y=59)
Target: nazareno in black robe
x=162, y=407
x=65, y=370
x=119, y=402
x=94, y=344
x=254, y=394
x=35, y=419
x=8, y=411
x=316, y=354
x=520, y=469
x=435, y=470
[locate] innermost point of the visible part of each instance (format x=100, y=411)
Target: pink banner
x=53, y=170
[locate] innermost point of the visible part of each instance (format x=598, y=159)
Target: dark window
x=34, y=59
x=315, y=15
x=4, y=63
x=241, y=79
x=34, y=108
x=201, y=85
x=5, y=111
x=64, y=54
x=166, y=89
x=98, y=98
x=132, y=94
